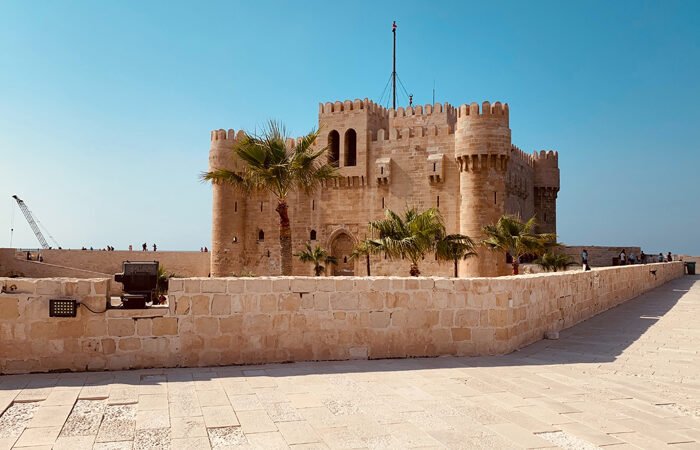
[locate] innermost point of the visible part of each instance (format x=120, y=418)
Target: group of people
x=624, y=260
x=203, y=249
x=643, y=258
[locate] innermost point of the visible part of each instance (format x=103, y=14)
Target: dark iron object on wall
x=140, y=280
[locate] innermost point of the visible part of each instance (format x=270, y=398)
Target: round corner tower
x=228, y=209
x=482, y=150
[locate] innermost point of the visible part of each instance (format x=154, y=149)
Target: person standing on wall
x=623, y=257
x=669, y=258
x=584, y=260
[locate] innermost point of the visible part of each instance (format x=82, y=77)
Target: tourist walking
x=661, y=257
x=669, y=258
x=584, y=260
x=643, y=257
x=633, y=258
x=131, y=247
x=144, y=247
x=155, y=248
x=623, y=257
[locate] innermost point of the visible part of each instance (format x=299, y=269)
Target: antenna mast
x=393, y=73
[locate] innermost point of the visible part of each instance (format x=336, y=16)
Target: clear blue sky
x=106, y=107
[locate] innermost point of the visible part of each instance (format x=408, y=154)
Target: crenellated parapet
x=482, y=137
x=521, y=158
x=497, y=111
x=352, y=106
x=546, y=165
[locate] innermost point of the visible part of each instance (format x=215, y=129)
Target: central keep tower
x=482, y=151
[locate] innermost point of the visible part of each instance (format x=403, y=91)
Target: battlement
x=223, y=135
x=498, y=109
x=519, y=156
x=351, y=105
x=546, y=157
x=369, y=106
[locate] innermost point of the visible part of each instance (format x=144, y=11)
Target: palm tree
x=554, y=261
x=454, y=247
x=318, y=256
x=273, y=167
x=409, y=236
x=365, y=248
x=511, y=235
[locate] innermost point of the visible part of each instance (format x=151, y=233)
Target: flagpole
x=393, y=73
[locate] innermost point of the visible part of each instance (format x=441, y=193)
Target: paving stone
x=256, y=422
x=154, y=438
x=198, y=443
x=226, y=437
x=118, y=424
x=187, y=427
x=16, y=418
x=85, y=418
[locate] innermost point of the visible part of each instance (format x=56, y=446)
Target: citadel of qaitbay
x=458, y=159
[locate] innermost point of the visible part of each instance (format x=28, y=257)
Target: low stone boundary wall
x=86, y=263
x=221, y=321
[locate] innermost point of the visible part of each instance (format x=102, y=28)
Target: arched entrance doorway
x=341, y=249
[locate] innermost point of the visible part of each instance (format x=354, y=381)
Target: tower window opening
x=350, y=148
x=345, y=259
x=434, y=166
x=312, y=235
x=382, y=202
x=333, y=148
x=313, y=205
x=261, y=235
x=381, y=170
x=261, y=206
x=438, y=201
x=494, y=197
x=235, y=206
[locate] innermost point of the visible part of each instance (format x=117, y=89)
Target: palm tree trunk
x=515, y=266
x=285, y=237
x=368, y=272
x=455, y=267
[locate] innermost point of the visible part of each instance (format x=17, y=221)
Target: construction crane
x=33, y=223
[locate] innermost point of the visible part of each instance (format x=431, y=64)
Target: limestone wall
x=599, y=256
x=90, y=264
x=219, y=321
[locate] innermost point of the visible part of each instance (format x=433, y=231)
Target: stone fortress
x=460, y=160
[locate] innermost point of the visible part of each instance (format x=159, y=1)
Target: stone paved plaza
x=628, y=378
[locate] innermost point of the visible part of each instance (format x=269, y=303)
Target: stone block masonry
x=223, y=321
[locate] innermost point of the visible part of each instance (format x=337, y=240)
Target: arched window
x=261, y=235
x=312, y=235
x=350, y=148
x=333, y=148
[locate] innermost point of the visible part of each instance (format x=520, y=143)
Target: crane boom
x=32, y=222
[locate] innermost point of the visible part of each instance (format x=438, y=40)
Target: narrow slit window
x=261, y=235
x=235, y=206
x=382, y=202
x=261, y=206
x=438, y=201
x=494, y=197
x=312, y=235
x=313, y=205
